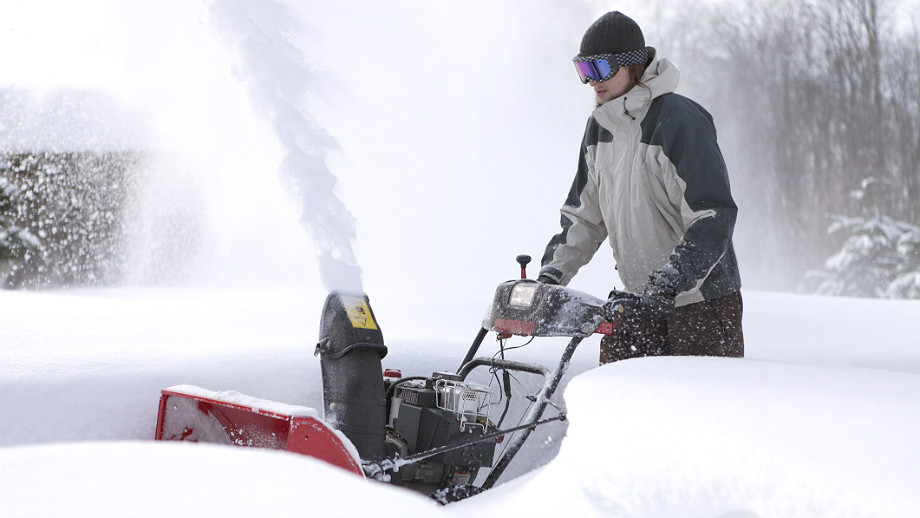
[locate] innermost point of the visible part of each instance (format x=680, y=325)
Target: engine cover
x=417, y=424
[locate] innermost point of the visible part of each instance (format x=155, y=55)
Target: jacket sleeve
x=703, y=194
x=583, y=228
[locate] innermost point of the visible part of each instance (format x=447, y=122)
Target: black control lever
x=523, y=260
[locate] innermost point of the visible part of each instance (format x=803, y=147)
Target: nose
x=592, y=82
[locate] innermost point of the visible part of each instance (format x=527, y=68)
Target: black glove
x=648, y=307
x=663, y=282
x=546, y=279
x=655, y=301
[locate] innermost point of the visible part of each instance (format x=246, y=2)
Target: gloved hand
x=648, y=307
x=655, y=301
x=546, y=279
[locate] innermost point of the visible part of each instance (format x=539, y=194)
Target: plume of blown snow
x=268, y=60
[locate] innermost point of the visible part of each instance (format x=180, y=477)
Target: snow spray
x=274, y=69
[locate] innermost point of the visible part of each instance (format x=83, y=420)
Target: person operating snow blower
x=651, y=180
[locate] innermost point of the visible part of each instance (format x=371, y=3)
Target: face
x=612, y=88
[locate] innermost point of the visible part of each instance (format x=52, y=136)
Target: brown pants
x=708, y=328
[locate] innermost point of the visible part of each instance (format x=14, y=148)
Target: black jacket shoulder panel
x=595, y=133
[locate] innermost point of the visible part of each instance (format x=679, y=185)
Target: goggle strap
x=631, y=57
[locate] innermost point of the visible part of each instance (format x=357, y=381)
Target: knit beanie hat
x=613, y=33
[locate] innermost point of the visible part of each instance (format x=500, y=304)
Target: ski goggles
x=601, y=67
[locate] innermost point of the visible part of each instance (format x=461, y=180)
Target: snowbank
x=819, y=420
x=182, y=479
x=730, y=437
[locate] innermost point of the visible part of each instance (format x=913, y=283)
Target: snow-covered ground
x=820, y=419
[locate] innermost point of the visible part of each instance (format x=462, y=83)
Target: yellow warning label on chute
x=359, y=313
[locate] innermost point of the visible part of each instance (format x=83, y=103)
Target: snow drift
x=819, y=420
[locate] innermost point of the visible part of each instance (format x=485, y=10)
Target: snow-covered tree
x=63, y=217
x=906, y=284
x=19, y=247
x=880, y=257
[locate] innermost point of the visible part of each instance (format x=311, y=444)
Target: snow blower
x=432, y=434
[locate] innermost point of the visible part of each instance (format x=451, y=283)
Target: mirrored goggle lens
x=598, y=70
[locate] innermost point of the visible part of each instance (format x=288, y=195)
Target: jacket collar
x=660, y=77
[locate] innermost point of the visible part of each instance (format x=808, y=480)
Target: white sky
x=53, y=43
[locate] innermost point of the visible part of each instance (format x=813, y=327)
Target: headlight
x=522, y=295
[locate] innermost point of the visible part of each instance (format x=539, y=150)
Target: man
x=651, y=180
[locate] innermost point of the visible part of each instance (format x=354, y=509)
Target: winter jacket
x=651, y=180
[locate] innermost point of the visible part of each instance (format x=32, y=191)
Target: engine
x=442, y=410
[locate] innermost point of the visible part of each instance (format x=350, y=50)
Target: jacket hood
x=660, y=77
